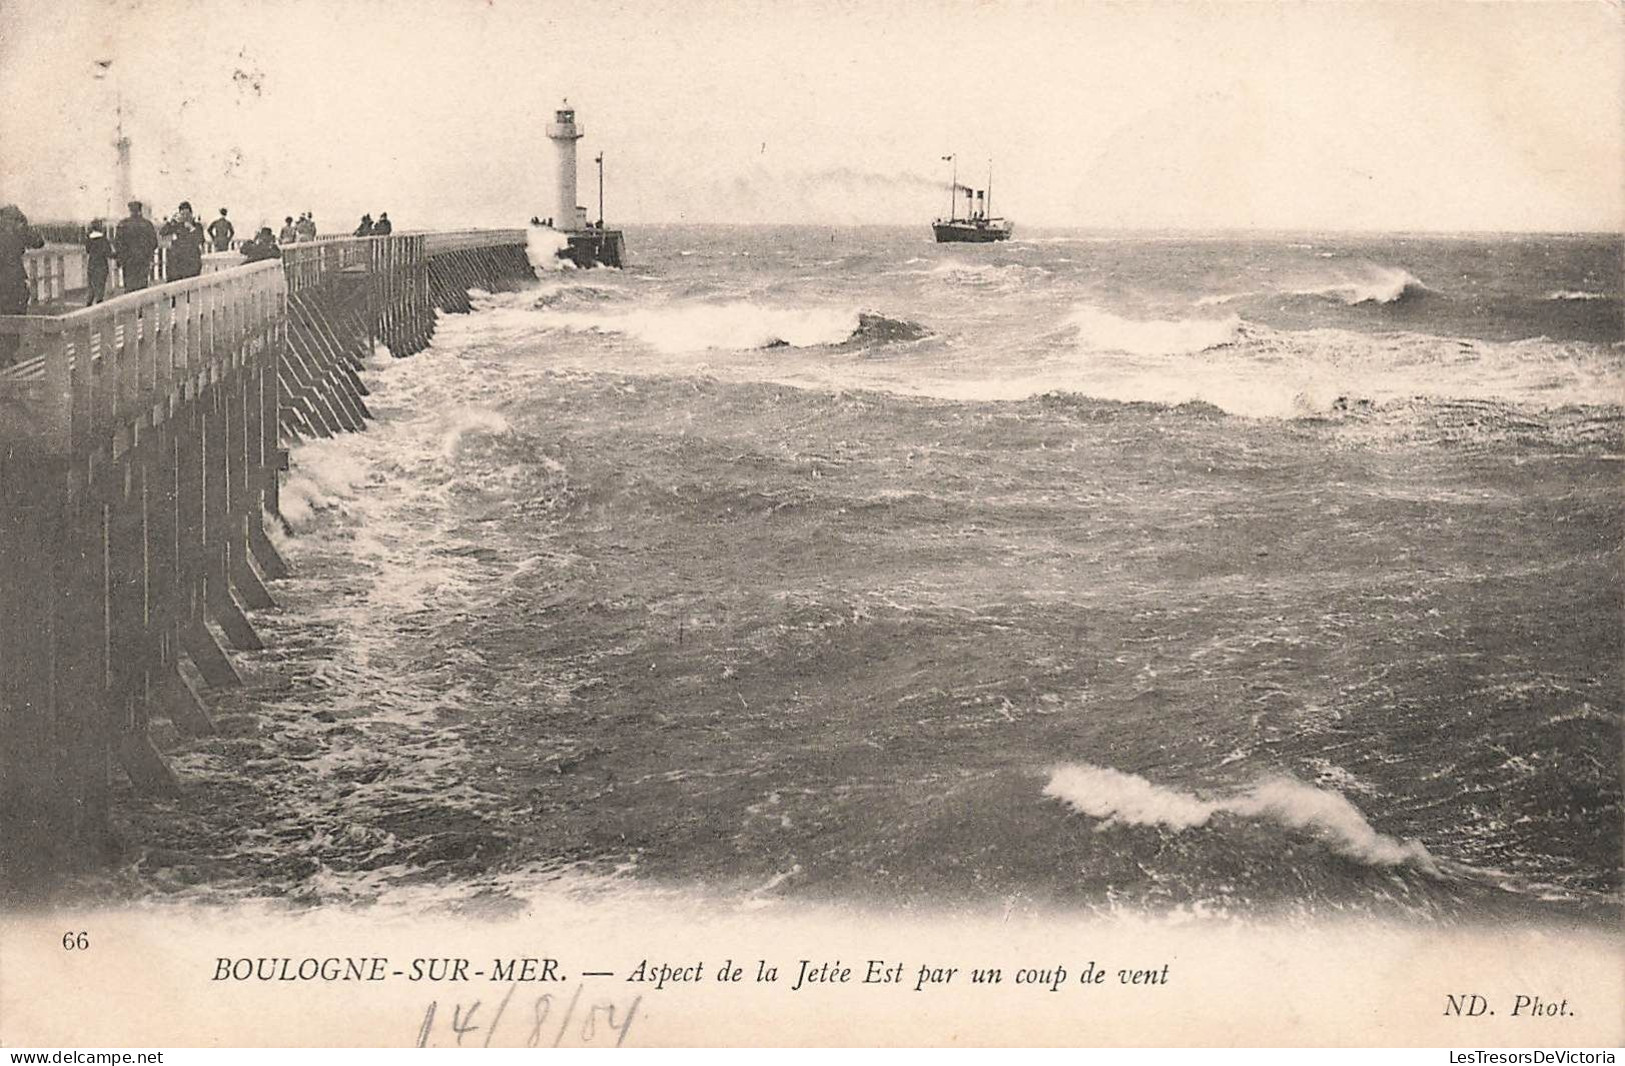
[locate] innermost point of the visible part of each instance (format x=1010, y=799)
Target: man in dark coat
x=221, y=231
x=383, y=227
x=186, y=249
x=365, y=229
x=16, y=238
x=98, y=250
x=133, y=245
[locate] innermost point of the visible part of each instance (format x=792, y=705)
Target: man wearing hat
x=186, y=250
x=135, y=242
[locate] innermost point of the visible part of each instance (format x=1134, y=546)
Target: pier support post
x=222, y=606
x=147, y=770
x=207, y=655
x=174, y=698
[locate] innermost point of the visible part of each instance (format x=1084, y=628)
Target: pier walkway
x=141, y=445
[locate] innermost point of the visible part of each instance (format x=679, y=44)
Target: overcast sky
x=1315, y=116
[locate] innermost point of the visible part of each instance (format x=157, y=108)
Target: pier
x=142, y=442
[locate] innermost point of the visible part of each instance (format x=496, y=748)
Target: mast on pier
x=121, y=145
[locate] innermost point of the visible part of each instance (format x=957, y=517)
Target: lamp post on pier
x=123, y=184
x=599, y=159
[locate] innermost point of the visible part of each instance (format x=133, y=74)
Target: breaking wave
x=1381, y=285
x=325, y=474
x=462, y=423
x=1103, y=331
x=1222, y=298
x=960, y=272
x=734, y=326
x=1267, y=373
x=542, y=248
x=566, y=295
x=1129, y=799
x=1572, y=294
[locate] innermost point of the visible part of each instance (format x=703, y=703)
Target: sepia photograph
x=532, y=523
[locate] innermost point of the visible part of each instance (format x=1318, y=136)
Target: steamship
x=979, y=225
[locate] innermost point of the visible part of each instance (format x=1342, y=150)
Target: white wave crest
x=322, y=473
x=1115, y=796
x=1103, y=331
x=1112, y=795
x=1311, y=373
x=736, y=326
x=1381, y=285
x=460, y=424
x=1574, y=294
x=961, y=272
x=1223, y=298
x=542, y=248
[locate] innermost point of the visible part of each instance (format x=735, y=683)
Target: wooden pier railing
x=140, y=445
x=54, y=271
x=58, y=271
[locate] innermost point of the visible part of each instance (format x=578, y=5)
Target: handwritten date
x=552, y=1019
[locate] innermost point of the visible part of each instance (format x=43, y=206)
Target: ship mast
x=953, y=184
x=988, y=207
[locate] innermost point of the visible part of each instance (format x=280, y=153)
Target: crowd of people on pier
x=295, y=231
x=134, y=244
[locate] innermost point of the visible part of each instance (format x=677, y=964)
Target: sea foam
x=462, y=423
x=1129, y=799
x=1103, y=331
x=323, y=473
x=697, y=327
x=542, y=248
x=1381, y=285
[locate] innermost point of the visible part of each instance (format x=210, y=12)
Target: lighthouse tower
x=587, y=244
x=564, y=133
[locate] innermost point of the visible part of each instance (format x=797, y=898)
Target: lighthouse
x=590, y=244
x=564, y=133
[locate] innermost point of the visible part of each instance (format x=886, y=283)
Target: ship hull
x=969, y=233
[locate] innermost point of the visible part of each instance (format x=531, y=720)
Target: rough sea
x=1183, y=574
